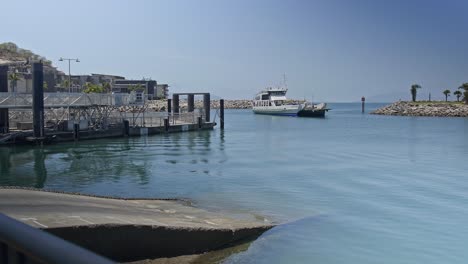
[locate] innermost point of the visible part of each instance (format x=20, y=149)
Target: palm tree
x=414, y=91
x=465, y=94
x=458, y=94
x=14, y=78
x=447, y=94
x=107, y=87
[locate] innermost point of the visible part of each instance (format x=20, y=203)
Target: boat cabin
x=270, y=97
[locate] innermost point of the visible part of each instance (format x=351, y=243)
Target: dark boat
x=311, y=110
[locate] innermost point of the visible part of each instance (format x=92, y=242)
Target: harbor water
x=349, y=188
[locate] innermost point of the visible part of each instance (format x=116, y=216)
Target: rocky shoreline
x=440, y=109
x=160, y=105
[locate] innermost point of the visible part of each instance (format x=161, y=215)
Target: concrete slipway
x=128, y=229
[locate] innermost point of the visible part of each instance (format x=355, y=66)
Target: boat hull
x=278, y=112
x=312, y=113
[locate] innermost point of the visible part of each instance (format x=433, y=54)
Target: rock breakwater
x=161, y=105
x=441, y=109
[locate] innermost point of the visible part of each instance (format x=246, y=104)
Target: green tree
x=414, y=91
x=14, y=78
x=93, y=88
x=135, y=87
x=65, y=84
x=465, y=93
x=107, y=87
x=458, y=94
x=45, y=85
x=447, y=94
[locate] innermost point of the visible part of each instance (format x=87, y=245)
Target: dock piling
x=175, y=102
x=76, y=132
x=38, y=100
x=4, y=124
x=166, y=124
x=190, y=102
x=169, y=106
x=126, y=125
x=221, y=113
x=206, y=104
x=363, y=102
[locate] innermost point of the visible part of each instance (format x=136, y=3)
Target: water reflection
x=110, y=161
x=23, y=166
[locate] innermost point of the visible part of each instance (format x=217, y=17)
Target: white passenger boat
x=272, y=101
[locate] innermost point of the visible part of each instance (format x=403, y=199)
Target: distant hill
x=11, y=53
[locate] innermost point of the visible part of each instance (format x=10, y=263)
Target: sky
x=330, y=50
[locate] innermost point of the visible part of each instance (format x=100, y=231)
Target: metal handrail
x=20, y=243
x=12, y=99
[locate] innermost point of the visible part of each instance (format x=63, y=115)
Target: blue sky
x=332, y=50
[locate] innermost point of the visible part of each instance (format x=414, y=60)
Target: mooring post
x=166, y=124
x=76, y=131
x=221, y=112
x=175, y=102
x=169, y=106
x=38, y=99
x=190, y=102
x=200, y=120
x=4, y=124
x=363, y=102
x=126, y=125
x=206, y=105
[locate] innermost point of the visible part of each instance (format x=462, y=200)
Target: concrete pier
x=129, y=230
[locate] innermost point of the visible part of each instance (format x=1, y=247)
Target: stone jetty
x=441, y=109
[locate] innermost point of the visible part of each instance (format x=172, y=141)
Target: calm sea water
x=350, y=188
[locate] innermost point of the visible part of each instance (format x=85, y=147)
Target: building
x=78, y=82
x=162, y=91
x=105, y=78
x=24, y=72
x=126, y=86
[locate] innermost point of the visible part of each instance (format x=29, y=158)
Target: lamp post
x=69, y=81
x=69, y=72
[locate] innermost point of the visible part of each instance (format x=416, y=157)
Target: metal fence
x=20, y=243
x=156, y=119
x=24, y=100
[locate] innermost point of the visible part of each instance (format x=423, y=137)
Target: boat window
x=265, y=97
